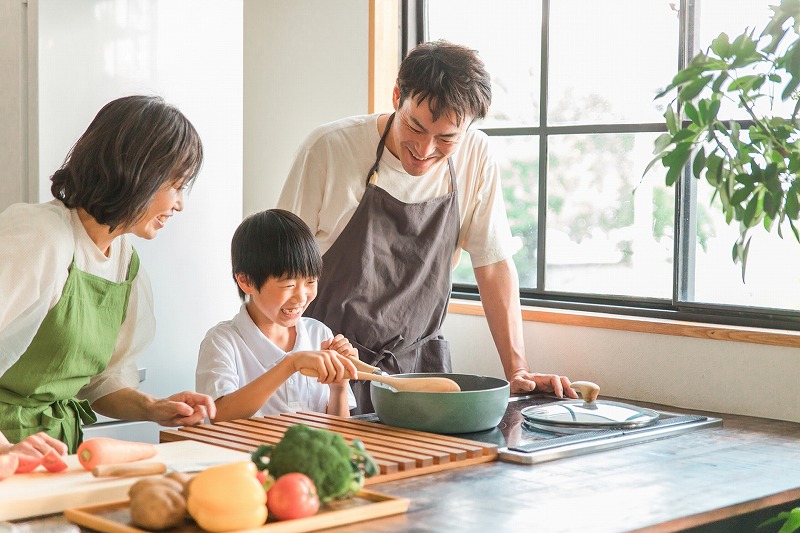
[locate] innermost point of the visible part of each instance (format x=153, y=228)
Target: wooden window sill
x=642, y=325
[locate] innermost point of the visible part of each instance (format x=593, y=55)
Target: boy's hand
x=341, y=345
x=328, y=365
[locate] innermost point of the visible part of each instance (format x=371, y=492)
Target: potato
x=181, y=477
x=150, y=482
x=157, y=503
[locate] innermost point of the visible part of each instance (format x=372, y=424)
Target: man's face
x=419, y=142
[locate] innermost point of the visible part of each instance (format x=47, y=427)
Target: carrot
x=106, y=451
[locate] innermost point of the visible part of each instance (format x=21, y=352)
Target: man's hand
x=525, y=381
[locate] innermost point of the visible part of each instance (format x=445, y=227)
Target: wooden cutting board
x=42, y=492
x=400, y=453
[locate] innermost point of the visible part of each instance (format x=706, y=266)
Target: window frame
x=414, y=30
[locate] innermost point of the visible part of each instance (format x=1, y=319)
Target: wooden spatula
x=421, y=384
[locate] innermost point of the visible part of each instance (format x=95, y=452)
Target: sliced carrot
x=53, y=462
x=106, y=451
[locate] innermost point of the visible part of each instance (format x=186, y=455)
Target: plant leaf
x=672, y=121
x=699, y=162
x=721, y=45
x=792, y=523
x=693, y=88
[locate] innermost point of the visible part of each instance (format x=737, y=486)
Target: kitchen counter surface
x=693, y=480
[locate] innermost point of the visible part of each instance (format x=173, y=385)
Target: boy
x=250, y=364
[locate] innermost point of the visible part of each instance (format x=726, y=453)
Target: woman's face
x=165, y=203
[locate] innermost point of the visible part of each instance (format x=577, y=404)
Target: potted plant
x=752, y=165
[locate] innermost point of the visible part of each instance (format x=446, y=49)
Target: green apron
x=74, y=343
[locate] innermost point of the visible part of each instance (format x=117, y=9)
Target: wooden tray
x=399, y=453
x=366, y=505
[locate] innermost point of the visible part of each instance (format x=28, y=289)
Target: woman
x=76, y=307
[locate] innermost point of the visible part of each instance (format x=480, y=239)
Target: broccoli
x=336, y=468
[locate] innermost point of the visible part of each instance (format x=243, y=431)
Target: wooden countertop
x=678, y=483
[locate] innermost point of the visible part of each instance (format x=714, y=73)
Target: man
x=392, y=200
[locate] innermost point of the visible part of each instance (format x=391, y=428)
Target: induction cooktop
x=520, y=442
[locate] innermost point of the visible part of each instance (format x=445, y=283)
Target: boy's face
x=279, y=302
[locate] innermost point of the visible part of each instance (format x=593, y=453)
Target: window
x=572, y=126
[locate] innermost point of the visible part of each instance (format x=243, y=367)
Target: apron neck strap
x=381, y=146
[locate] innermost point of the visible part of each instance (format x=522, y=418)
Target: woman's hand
x=341, y=345
x=183, y=409
x=36, y=445
x=329, y=365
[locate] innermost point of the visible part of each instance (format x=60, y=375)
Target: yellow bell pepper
x=227, y=497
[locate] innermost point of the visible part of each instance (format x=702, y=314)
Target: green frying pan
x=479, y=406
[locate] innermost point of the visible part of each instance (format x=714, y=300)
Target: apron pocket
x=433, y=356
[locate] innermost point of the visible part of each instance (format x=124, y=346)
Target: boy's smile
x=279, y=303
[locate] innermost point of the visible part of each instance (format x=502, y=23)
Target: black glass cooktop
x=519, y=442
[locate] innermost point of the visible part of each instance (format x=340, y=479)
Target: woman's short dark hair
x=132, y=148
x=272, y=244
x=450, y=77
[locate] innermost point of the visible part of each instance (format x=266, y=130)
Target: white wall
x=712, y=375
x=189, y=52
x=306, y=63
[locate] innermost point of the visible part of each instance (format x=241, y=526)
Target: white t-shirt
x=235, y=352
x=328, y=179
x=37, y=246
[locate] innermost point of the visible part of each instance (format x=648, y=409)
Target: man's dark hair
x=450, y=77
x=132, y=148
x=272, y=244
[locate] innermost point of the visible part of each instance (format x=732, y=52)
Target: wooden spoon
x=422, y=384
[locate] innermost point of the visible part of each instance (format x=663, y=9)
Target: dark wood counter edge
x=643, y=325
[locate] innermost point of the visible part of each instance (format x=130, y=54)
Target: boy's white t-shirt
x=235, y=352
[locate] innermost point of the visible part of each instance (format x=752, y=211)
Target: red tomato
x=53, y=462
x=292, y=496
x=8, y=465
x=27, y=463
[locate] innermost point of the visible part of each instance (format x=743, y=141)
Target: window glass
x=518, y=161
x=609, y=58
x=772, y=278
x=734, y=19
x=508, y=38
x=608, y=231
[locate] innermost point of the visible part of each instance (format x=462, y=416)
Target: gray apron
x=387, y=281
